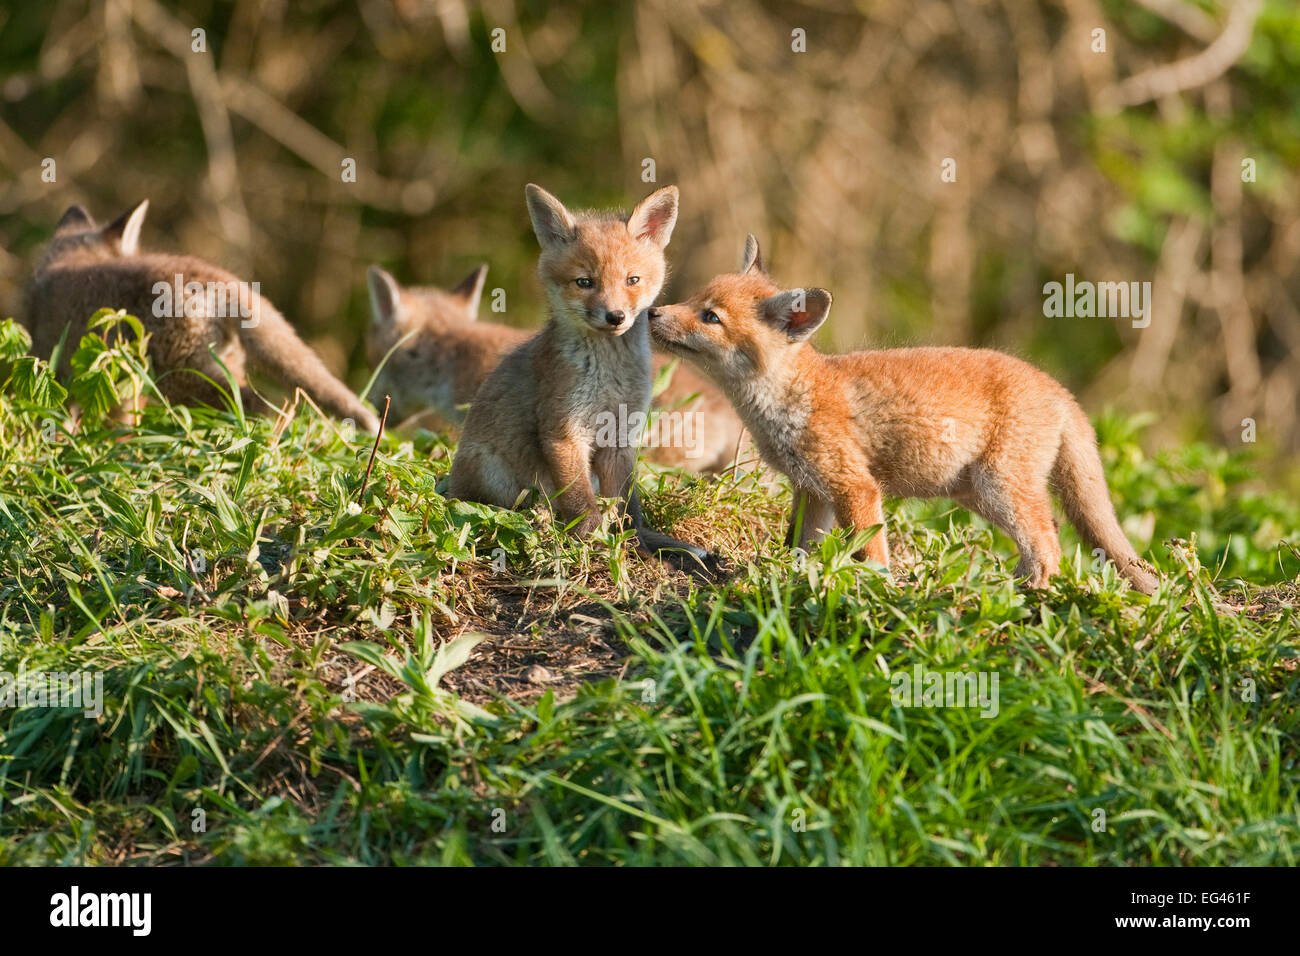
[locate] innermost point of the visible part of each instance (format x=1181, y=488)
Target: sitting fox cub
x=536, y=422
x=983, y=428
x=440, y=355
x=86, y=268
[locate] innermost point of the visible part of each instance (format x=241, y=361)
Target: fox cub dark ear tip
x=75, y=215
x=471, y=287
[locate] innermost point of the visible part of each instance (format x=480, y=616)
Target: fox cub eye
x=633, y=280
x=710, y=318
x=583, y=282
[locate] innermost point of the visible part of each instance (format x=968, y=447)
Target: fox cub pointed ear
x=655, y=216
x=124, y=231
x=76, y=218
x=551, y=221
x=752, y=259
x=797, y=312
x=471, y=290
x=385, y=297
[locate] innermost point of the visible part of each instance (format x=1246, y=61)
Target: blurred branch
x=1175, y=274
x=1191, y=19
x=310, y=144
x=117, y=64
x=215, y=96
x=517, y=67
x=1192, y=72
x=1227, y=283
x=223, y=168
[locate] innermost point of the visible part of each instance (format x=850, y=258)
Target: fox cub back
x=983, y=428
x=187, y=306
x=436, y=355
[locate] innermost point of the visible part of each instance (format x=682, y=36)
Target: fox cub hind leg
x=479, y=474
x=1022, y=510
x=1040, y=557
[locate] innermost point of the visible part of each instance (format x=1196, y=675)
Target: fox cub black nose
x=653, y=314
x=614, y=318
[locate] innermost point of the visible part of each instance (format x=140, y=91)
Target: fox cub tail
x=1081, y=483
x=274, y=349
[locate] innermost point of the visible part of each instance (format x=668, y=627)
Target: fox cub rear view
x=974, y=425
x=87, y=267
x=535, y=422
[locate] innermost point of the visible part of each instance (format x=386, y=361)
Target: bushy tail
x=273, y=348
x=1081, y=483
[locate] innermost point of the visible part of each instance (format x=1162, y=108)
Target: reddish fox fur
x=974, y=425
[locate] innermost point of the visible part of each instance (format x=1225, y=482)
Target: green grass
x=295, y=676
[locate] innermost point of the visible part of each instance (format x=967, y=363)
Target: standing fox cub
x=537, y=421
x=185, y=304
x=983, y=428
x=440, y=355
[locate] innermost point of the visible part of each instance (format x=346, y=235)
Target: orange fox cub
x=440, y=355
x=983, y=428
x=185, y=304
x=539, y=419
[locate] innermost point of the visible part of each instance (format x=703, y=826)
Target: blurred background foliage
x=1116, y=165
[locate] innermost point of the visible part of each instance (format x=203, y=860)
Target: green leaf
x=34, y=382
x=373, y=654
x=14, y=341
x=452, y=655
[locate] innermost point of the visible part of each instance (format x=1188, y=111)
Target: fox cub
x=440, y=355
x=537, y=420
x=86, y=268
x=978, y=426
